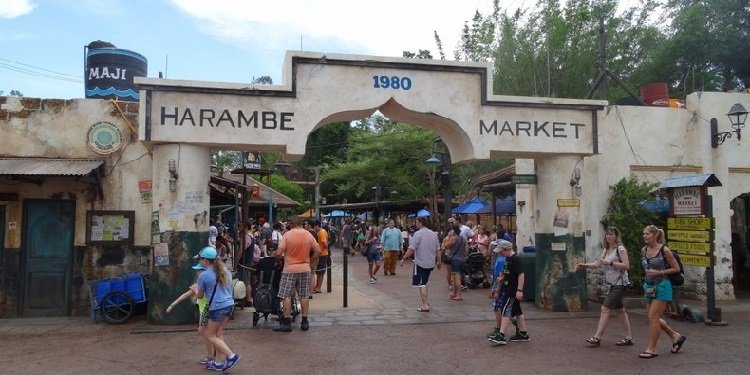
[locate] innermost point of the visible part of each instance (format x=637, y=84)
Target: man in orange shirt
x=325, y=259
x=297, y=246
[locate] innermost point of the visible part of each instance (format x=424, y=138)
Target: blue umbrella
x=423, y=213
x=505, y=207
x=473, y=206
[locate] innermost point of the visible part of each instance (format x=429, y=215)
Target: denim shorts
x=457, y=265
x=374, y=257
x=220, y=314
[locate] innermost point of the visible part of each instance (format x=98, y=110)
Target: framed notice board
x=105, y=227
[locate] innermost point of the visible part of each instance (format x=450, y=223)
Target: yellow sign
x=690, y=223
x=695, y=260
x=691, y=247
x=568, y=203
x=689, y=235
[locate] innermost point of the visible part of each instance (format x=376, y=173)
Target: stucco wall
x=657, y=143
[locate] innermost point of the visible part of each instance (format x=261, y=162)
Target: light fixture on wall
x=575, y=180
x=737, y=116
x=172, y=168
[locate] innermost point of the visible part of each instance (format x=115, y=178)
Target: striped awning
x=48, y=167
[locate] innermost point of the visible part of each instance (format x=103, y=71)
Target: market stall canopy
x=337, y=213
x=473, y=206
x=309, y=213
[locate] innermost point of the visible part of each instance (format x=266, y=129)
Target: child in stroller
x=474, y=269
x=266, y=299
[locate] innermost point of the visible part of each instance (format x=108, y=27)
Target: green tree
x=705, y=48
x=625, y=210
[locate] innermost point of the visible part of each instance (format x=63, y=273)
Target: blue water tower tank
x=110, y=71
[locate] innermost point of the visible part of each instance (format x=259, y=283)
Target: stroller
x=474, y=270
x=265, y=298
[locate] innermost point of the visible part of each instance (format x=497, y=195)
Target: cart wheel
x=256, y=318
x=117, y=307
x=486, y=284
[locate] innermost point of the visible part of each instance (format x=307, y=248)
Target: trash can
x=528, y=261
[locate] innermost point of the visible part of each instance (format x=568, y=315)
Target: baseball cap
x=207, y=252
x=450, y=219
x=199, y=267
x=502, y=244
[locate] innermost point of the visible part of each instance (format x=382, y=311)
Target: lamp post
x=737, y=116
x=442, y=160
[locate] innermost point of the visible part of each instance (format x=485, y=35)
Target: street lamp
x=737, y=116
x=442, y=160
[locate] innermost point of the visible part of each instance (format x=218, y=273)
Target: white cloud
x=384, y=27
x=15, y=8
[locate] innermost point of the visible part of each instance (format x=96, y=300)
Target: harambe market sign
x=452, y=98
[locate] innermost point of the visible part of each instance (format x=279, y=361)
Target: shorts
x=420, y=276
x=374, y=257
x=324, y=261
x=663, y=291
x=457, y=265
x=220, y=314
x=507, y=305
x=299, y=282
x=613, y=301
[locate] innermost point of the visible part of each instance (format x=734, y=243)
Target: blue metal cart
x=115, y=298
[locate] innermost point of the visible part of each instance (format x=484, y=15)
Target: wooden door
x=48, y=232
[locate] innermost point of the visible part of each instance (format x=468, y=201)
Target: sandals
x=594, y=341
x=625, y=342
x=677, y=345
x=647, y=355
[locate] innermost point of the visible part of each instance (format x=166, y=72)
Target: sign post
x=690, y=230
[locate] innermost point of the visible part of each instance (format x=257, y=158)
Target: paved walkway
x=380, y=332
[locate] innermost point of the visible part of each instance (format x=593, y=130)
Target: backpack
x=264, y=300
x=677, y=279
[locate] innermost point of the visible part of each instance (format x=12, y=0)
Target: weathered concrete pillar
x=182, y=205
x=560, y=241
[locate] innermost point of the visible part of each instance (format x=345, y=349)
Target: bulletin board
x=104, y=227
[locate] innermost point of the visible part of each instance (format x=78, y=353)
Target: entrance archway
x=454, y=99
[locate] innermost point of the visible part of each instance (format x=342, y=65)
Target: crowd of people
x=302, y=248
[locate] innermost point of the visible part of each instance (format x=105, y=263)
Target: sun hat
x=199, y=267
x=502, y=244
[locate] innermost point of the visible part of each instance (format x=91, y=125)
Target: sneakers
x=206, y=360
x=520, y=336
x=305, y=325
x=494, y=332
x=499, y=339
x=373, y=280
x=213, y=366
x=231, y=361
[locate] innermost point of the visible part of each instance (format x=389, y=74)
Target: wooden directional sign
x=690, y=223
x=523, y=179
x=689, y=235
x=695, y=260
x=690, y=247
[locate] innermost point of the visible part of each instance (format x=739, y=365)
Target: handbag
x=204, y=314
x=447, y=258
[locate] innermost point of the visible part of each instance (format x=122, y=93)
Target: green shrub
x=625, y=211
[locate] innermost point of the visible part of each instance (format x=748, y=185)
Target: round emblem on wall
x=104, y=137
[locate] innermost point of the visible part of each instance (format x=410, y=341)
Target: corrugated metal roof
x=48, y=167
x=705, y=180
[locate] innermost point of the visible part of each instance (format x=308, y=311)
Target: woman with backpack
x=615, y=262
x=658, y=263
